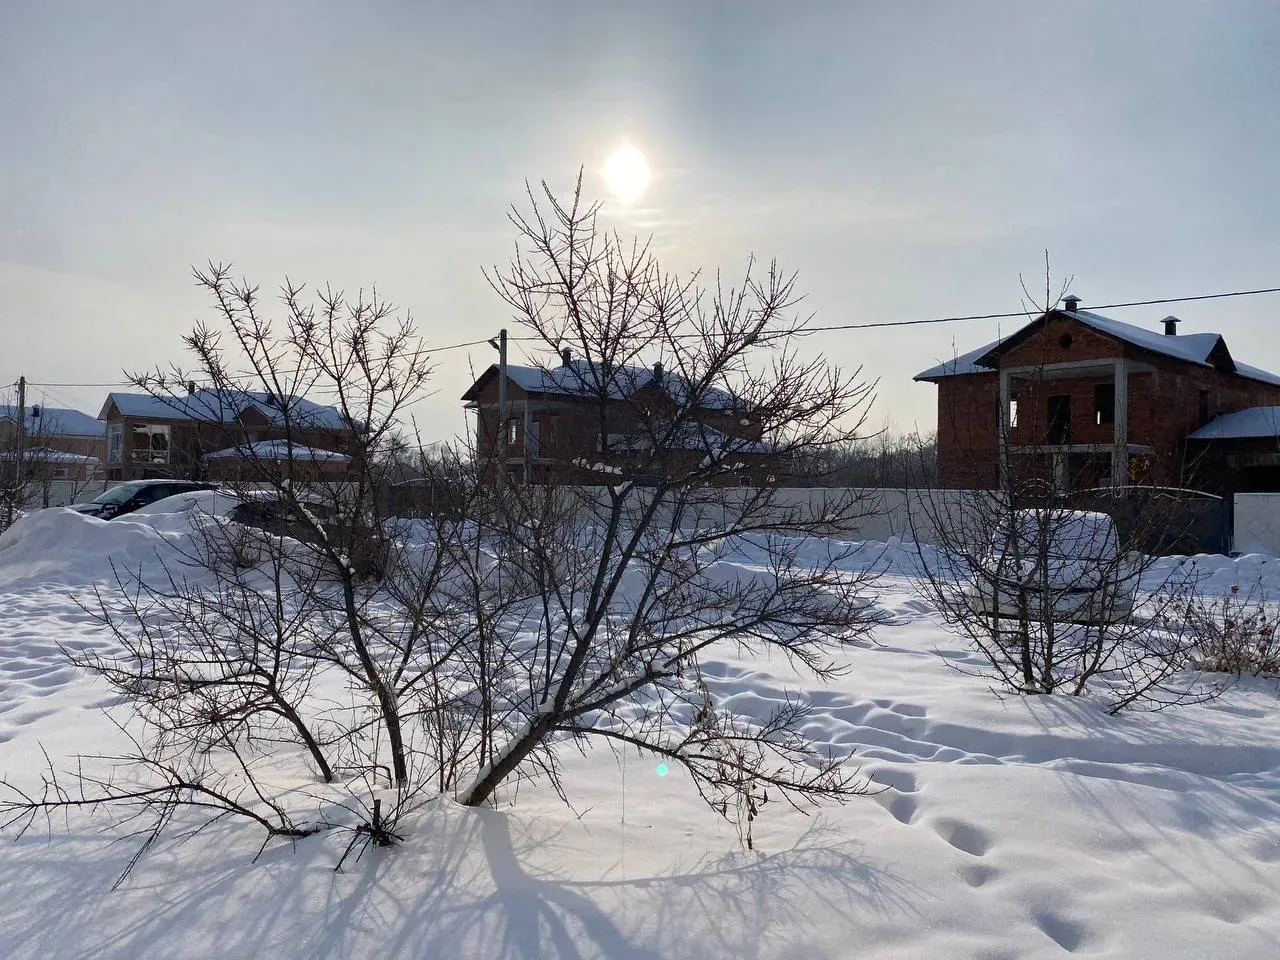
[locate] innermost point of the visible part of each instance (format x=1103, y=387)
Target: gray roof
x=1251, y=422
x=582, y=379
x=214, y=406
x=56, y=422
x=1191, y=348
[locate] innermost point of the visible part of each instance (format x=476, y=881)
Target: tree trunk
x=511, y=758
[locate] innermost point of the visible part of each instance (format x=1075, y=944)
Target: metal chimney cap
x=1071, y=301
x=1171, y=325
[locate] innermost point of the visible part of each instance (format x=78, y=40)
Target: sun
x=626, y=173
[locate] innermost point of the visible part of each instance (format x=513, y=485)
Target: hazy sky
x=909, y=159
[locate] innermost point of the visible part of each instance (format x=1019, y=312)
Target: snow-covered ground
x=1004, y=828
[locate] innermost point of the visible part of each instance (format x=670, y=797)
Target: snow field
x=999, y=827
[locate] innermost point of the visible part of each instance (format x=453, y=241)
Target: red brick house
x=1086, y=401
x=214, y=434
x=557, y=429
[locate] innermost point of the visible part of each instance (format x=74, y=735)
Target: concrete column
x=1120, y=449
x=1005, y=395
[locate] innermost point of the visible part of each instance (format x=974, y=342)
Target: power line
x=802, y=331
x=1024, y=313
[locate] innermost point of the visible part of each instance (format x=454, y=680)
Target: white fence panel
x=1257, y=523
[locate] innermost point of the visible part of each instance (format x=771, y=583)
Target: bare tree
x=669, y=541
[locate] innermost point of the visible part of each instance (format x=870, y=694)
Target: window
x=150, y=443
x=115, y=443
x=1104, y=403
x=1060, y=419
x=1204, y=407
x=1013, y=411
x=513, y=432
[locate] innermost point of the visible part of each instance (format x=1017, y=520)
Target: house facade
x=1082, y=401
x=211, y=434
x=573, y=423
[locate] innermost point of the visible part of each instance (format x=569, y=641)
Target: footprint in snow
x=965, y=837
x=977, y=874
x=1065, y=932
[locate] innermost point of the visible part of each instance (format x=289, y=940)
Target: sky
x=908, y=160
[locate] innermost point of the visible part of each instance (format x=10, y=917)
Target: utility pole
x=22, y=434
x=502, y=408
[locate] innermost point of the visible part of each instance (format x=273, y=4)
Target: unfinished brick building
x=1083, y=402
x=557, y=429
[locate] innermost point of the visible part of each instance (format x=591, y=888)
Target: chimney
x=657, y=371
x=35, y=412
x=566, y=357
x=1071, y=301
x=191, y=387
x=1171, y=326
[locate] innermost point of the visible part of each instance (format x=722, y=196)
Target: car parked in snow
x=128, y=497
x=277, y=515
x=1064, y=564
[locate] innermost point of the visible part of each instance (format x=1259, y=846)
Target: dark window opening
x=1104, y=403
x=1059, y=419
x=1064, y=341
x=1204, y=407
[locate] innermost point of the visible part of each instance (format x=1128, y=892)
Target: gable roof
x=582, y=379
x=1201, y=349
x=215, y=406
x=1250, y=422
x=56, y=422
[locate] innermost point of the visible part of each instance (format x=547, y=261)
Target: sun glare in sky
x=626, y=173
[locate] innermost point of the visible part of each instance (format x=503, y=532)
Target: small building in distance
x=70, y=443
x=575, y=422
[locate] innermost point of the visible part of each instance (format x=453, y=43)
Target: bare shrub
x=1236, y=633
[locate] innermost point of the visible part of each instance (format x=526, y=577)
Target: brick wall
x=968, y=451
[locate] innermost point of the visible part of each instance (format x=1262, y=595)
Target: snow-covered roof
x=55, y=421
x=582, y=379
x=1251, y=422
x=277, y=450
x=47, y=455
x=1196, y=348
x=958, y=366
x=693, y=436
x=214, y=406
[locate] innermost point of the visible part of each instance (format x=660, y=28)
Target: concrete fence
x=59, y=493
x=906, y=513
x=1257, y=523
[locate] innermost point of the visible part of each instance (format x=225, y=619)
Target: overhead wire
x=803, y=331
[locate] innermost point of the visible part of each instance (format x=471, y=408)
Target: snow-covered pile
x=1003, y=828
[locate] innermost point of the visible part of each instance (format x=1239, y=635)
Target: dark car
x=278, y=516
x=127, y=497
